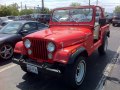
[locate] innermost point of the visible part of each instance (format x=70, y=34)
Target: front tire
x=103, y=48
x=75, y=73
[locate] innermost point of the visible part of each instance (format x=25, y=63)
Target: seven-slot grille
x=39, y=49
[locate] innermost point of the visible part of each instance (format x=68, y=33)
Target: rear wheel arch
x=8, y=42
x=103, y=48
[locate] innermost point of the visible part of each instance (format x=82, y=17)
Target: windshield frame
x=91, y=23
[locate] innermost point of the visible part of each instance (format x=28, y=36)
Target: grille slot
x=39, y=49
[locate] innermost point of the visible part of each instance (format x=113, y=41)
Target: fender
x=19, y=48
x=75, y=55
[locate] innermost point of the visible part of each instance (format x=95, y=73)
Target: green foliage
x=9, y=10
x=26, y=11
x=46, y=10
x=75, y=4
x=12, y=10
x=4, y=11
x=117, y=9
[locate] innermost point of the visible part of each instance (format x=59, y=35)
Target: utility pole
x=89, y=2
x=21, y=6
x=42, y=6
x=97, y=2
x=25, y=6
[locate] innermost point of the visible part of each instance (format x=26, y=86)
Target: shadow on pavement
x=113, y=79
x=95, y=68
x=4, y=62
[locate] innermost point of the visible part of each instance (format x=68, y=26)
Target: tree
x=75, y=4
x=46, y=11
x=117, y=9
x=14, y=9
x=4, y=11
x=26, y=11
x=9, y=10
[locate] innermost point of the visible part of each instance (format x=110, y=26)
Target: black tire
x=8, y=47
x=71, y=72
x=103, y=48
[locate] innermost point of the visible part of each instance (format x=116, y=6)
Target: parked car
x=44, y=18
x=11, y=17
x=5, y=22
x=13, y=32
x=109, y=17
x=3, y=19
x=116, y=19
x=64, y=47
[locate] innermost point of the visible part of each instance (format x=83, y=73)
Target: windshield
x=73, y=15
x=11, y=28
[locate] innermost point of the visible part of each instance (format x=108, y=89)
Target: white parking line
x=7, y=67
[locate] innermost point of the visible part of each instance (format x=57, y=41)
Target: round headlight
x=51, y=47
x=27, y=43
x=29, y=52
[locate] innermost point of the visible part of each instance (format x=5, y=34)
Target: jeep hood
x=66, y=35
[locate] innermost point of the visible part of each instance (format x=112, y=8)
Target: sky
x=109, y=5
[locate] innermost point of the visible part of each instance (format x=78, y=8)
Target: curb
x=108, y=70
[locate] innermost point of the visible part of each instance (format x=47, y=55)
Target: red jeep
x=74, y=33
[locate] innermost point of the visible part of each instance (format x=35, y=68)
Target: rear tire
x=75, y=73
x=103, y=48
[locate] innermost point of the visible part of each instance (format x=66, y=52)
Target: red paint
x=67, y=37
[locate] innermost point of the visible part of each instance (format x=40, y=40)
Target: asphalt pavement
x=112, y=81
x=13, y=78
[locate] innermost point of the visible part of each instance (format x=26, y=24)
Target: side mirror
x=102, y=21
x=24, y=31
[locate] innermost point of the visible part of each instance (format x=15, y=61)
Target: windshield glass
x=11, y=28
x=73, y=15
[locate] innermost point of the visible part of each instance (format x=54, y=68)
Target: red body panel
x=68, y=37
x=19, y=48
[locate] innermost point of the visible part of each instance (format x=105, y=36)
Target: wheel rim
x=6, y=51
x=80, y=72
x=106, y=45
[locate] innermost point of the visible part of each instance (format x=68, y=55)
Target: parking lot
x=13, y=78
